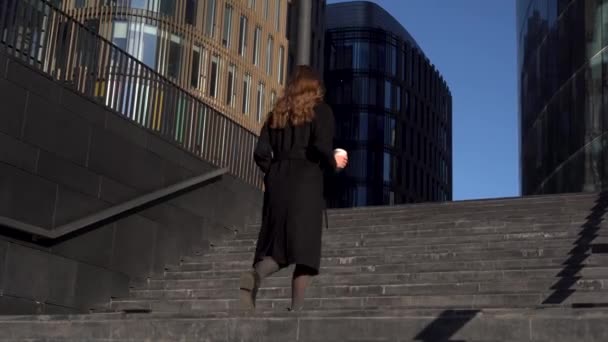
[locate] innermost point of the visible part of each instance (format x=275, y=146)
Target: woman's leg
x=299, y=283
x=250, y=281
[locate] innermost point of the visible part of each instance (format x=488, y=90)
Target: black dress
x=293, y=160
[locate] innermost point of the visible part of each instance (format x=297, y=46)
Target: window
x=80, y=3
x=196, y=66
x=119, y=34
x=388, y=99
x=213, y=75
x=266, y=8
x=256, y=45
x=246, y=93
x=175, y=55
x=281, y=62
x=243, y=36
x=386, y=168
x=210, y=18
x=251, y=3
x=230, y=91
x=167, y=7
x=277, y=17
x=273, y=98
x=260, y=109
x=191, y=7
x=227, y=34
x=269, y=51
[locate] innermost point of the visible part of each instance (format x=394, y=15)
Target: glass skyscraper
x=563, y=70
x=393, y=110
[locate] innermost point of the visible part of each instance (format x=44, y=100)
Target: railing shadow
x=448, y=323
x=582, y=250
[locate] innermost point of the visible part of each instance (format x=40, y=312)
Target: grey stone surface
x=94, y=247
x=126, y=129
x=72, y=205
x=17, y=153
x=68, y=174
x=26, y=197
x=57, y=130
x=94, y=285
x=134, y=246
x=112, y=156
x=83, y=107
x=61, y=282
x=114, y=192
x=10, y=305
x=3, y=255
x=13, y=99
x=33, y=81
x=27, y=273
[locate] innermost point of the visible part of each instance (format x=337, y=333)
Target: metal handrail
x=42, y=36
x=111, y=212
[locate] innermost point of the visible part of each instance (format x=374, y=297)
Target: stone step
x=442, y=226
x=352, y=290
x=284, y=279
x=450, y=301
x=546, y=324
x=219, y=261
x=361, y=247
x=220, y=270
x=396, y=239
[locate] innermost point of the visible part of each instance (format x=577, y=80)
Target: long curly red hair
x=303, y=92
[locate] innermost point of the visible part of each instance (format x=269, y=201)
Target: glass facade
x=563, y=64
x=199, y=44
x=397, y=128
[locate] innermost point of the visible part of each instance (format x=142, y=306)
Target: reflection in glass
x=227, y=33
x=196, y=66
x=210, y=18
x=230, y=91
x=175, y=55
x=213, y=75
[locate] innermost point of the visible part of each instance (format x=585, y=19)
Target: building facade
x=562, y=61
x=231, y=54
x=393, y=110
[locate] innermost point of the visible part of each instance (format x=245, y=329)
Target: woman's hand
x=341, y=161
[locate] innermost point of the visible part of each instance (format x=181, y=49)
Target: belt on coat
x=290, y=155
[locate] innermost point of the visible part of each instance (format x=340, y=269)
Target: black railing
x=41, y=35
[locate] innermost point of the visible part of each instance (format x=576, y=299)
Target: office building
x=393, y=110
x=562, y=61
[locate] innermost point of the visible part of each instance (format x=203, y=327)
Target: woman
x=293, y=151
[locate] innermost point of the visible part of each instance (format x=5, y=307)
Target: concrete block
x=56, y=130
x=13, y=98
x=83, y=107
x=10, y=305
x=123, y=161
x=72, y=205
x=26, y=197
x=134, y=246
x=17, y=153
x=34, y=81
x=114, y=192
x=27, y=273
x=93, y=247
x=68, y=174
x=62, y=281
x=127, y=129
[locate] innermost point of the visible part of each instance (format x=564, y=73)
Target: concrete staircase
x=528, y=269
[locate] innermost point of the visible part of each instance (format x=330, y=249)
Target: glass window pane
x=191, y=7
x=213, y=75
x=256, y=45
x=269, y=52
x=230, y=84
x=175, y=55
x=227, y=34
x=210, y=18
x=196, y=67
x=243, y=36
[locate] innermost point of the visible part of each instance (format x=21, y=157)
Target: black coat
x=293, y=160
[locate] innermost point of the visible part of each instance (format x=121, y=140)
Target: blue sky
x=472, y=43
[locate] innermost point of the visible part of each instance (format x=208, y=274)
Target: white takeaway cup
x=340, y=152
